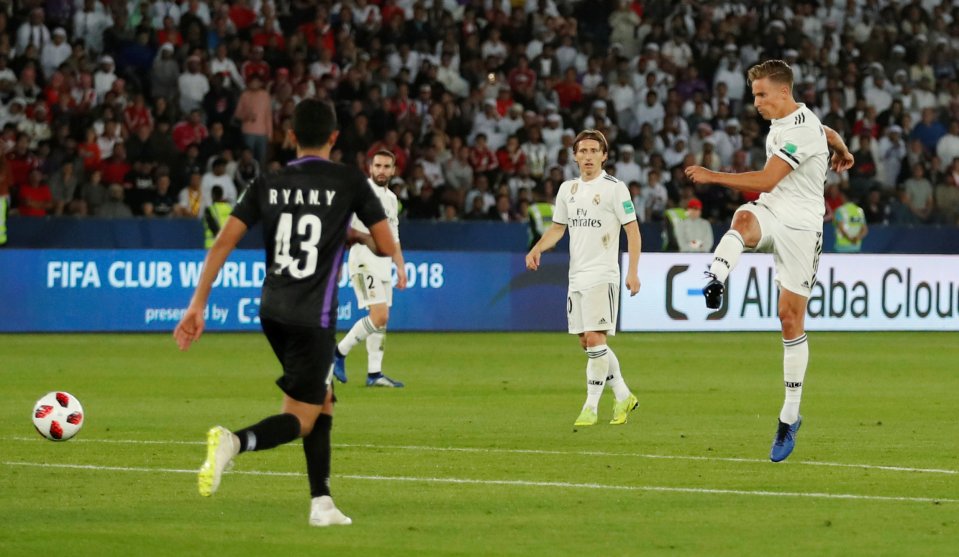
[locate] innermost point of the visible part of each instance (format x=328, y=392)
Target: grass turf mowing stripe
x=425, y=448
x=516, y=483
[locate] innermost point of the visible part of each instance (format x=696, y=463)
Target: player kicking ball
x=786, y=221
x=372, y=278
x=594, y=207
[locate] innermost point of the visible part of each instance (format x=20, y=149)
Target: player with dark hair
x=595, y=207
x=786, y=220
x=305, y=210
x=372, y=279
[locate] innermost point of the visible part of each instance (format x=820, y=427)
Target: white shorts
x=796, y=252
x=594, y=309
x=371, y=290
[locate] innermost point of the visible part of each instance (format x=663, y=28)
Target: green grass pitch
x=478, y=456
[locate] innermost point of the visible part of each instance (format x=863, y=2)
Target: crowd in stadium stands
x=140, y=107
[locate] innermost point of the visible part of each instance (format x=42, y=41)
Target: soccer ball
x=58, y=416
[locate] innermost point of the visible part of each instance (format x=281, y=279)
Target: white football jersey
x=364, y=260
x=799, y=139
x=593, y=212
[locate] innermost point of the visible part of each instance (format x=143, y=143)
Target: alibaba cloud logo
x=672, y=291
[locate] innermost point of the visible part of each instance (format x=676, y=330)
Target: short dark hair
x=314, y=121
x=384, y=153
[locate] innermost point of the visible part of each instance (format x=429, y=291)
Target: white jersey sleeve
x=623, y=205
x=560, y=211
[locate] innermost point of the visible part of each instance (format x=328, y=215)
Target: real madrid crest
x=575, y=187
x=596, y=199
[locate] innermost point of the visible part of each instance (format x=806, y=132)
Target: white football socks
x=727, y=254
x=374, y=351
x=358, y=333
x=596, y=371
x=614, y=379
x=795, y=360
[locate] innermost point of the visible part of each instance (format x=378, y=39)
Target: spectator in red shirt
x=389, y=9
x=115, y=168
x=483, y=159
x=242, y=15
x=319, y=32
x=401, y=105
x=89, y=151
x=21, y=160
x=190, y=131
x=34, y=198
x=569, y=90
x=510, y=157
x=137, y=114
x=256, y=65
x=521, y=78
x=269, y=33
x=169, y=33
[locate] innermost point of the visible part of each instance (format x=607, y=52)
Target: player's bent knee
x=306, y=424
x=792, y=322
x=594, y=338
x=379, y=316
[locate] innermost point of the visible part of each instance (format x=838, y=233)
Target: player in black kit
x=305, y=210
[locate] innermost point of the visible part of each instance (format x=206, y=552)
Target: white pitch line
x=425, y=448
x=515, y=483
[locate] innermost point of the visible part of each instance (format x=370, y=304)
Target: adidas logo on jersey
x=602, y=321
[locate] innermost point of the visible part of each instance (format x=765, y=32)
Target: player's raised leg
x=744, y=232
x=792, y=311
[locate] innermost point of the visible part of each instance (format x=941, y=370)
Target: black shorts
x=306, y=354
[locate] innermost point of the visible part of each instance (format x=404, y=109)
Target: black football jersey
x=305, y=209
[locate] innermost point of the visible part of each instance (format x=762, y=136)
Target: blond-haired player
x=786, y=220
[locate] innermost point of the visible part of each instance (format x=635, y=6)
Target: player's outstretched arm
x=634, y=243
x=191, y=325
x=759, y=181
x=552, y=235
x=842, y=159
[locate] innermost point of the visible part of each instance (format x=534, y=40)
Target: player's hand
x=698, y=174
x=190, y=328
x=632, y=283
x=401, y=279
x=532, y=260
x=842, y=161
